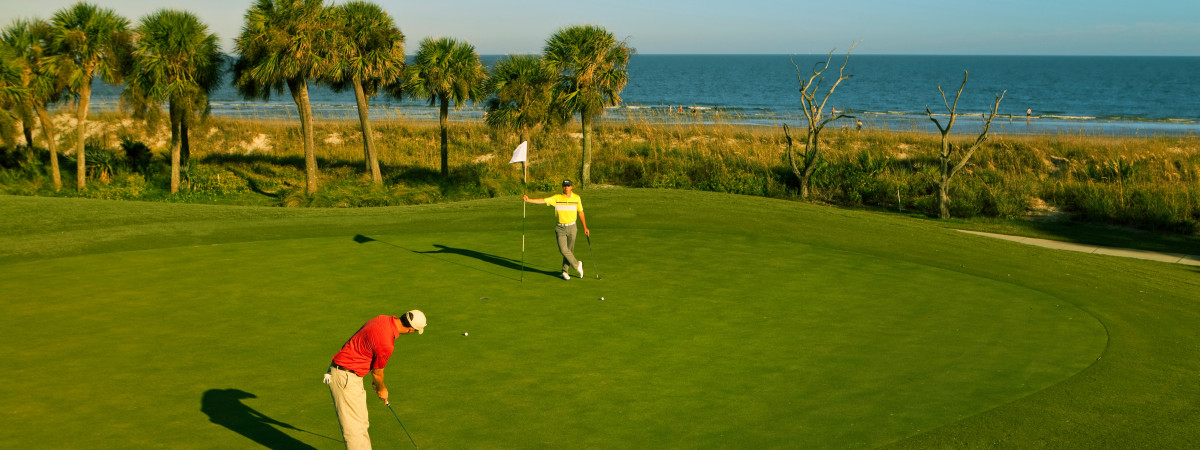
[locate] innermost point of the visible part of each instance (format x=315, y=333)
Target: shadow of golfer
x=507, y=263
x=225, y=408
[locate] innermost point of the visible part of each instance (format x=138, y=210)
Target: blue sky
x=1013, y=27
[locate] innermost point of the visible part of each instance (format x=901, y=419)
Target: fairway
x=727, y=322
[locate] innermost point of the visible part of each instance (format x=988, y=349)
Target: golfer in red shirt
x=367, y=351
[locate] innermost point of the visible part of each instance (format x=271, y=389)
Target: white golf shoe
x=580, y=269
x=566, y=276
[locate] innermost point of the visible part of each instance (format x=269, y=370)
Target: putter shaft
x=410, y=438
x=592, y=256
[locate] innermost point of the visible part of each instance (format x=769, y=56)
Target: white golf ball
x=466, y=334
x=601, y=298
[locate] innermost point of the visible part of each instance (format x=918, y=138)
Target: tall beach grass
x=1146, y=182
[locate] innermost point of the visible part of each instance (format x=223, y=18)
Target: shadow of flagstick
x=442, y=249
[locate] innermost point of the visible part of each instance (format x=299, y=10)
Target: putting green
x=740, y=338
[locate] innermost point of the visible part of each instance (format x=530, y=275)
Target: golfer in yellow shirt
x=568, y=207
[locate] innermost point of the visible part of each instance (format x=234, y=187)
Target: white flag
x=519, y=153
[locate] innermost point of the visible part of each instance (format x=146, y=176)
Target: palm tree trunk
x=299, y=90
x=48, y=132
x=173, y=112
x=364, y=118
x=27, y=126
x=585, y=168
x=185, y=149
x=85, y=94
x=444, y=120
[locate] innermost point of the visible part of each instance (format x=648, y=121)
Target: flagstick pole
x=520, y=155
x=523, y=187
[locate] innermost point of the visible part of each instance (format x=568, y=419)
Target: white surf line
x=1175, y=258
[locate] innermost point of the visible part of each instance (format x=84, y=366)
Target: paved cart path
x=1176, y=258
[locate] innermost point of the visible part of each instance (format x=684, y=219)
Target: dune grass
x=1149, y=183
x=728, y=321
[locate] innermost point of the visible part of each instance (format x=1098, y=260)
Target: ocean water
x=1118, y=95
x=1095, y=95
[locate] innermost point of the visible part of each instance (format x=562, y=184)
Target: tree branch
x=987, y=125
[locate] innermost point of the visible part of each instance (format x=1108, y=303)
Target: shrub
x=130, y=186
x=137, y=155
x=215, y=181
x=102, y=163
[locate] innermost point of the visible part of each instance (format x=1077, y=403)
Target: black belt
x=335, y=366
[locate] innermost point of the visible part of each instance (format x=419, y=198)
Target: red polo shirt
x=370, y=347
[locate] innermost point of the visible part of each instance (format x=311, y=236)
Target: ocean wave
x=1063, y=117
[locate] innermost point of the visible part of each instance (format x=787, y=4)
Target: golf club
x=592, y=256
x=410, y=439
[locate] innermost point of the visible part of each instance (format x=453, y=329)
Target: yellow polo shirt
x=567, y=208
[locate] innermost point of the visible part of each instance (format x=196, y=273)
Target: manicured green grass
x=728, y=321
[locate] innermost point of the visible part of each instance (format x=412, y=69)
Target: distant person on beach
x=858, y=124
x=1028, y=112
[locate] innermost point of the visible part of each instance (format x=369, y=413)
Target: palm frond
x=446, y=67
x=591, y=64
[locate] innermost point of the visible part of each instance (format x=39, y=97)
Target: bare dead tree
x=951, y=151
x=814, y=112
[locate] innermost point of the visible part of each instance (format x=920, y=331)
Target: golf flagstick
x=519, y=155
x=522, y=237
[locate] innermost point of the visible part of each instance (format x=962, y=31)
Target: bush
x=130, y=186
x=137, y=155
x=10, y=158
x=215, y=181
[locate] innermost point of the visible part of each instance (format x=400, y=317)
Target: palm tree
x=87, y=41
x=370, y=55
x=522, y=91
x=30, y=39
x=179, y=61
x=12, y=40
x=13, y=92
x=283, y=43
x=591, y=63
x=445, y=70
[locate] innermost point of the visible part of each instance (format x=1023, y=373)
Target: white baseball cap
x=416, y=319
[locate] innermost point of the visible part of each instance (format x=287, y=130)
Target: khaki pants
x=350, y=401
x=566, y=245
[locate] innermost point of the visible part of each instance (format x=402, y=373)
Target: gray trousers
x=566, y=245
